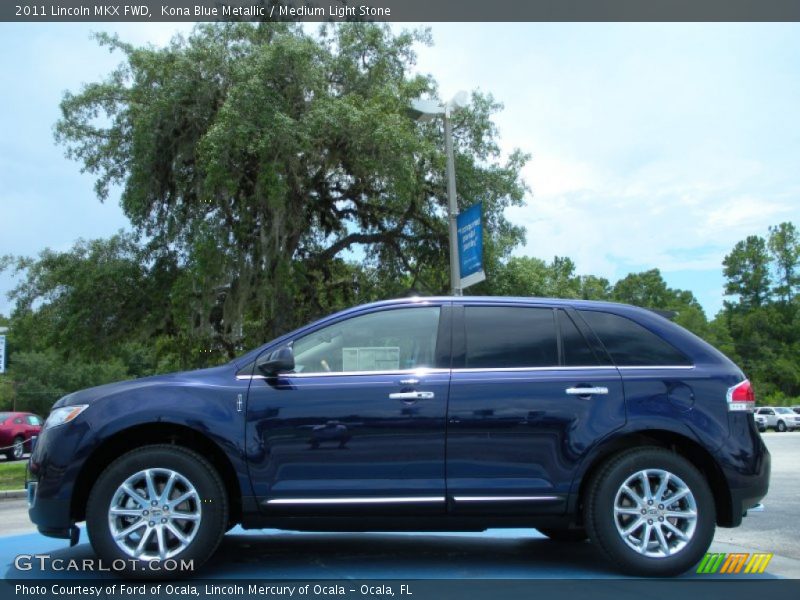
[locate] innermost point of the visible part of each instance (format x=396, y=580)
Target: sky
x=653, y=145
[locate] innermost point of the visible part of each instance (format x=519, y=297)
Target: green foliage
x=283, y=173
x=747, y=270
x=763, y=321
x=97, y=295
x=6, y=392
x=529, y=276
x=271, y=176
x=784, y=249
x=43, y=377
x=12, y=475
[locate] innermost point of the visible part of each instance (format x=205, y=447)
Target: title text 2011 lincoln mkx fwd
x=581, y=419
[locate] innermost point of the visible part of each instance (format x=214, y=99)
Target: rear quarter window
x=631, y=344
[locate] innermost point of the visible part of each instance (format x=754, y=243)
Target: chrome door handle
x=586, y=391
x=411, y=396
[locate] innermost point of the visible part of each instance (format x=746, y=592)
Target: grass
x=12, y=475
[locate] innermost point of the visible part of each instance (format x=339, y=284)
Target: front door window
x=390, y=340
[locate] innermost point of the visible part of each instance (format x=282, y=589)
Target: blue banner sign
x=470, y=246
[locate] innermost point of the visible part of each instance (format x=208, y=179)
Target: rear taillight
x=742, y=397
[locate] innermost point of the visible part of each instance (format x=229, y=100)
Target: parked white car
x=780, y=418
x=761, y=422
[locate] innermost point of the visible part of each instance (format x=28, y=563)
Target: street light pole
x=425, y=110
x=452, y=206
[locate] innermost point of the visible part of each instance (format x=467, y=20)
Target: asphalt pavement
x=493, y=554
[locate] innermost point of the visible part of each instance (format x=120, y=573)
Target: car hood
x=101, y=392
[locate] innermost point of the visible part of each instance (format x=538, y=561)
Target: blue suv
x=581, y=419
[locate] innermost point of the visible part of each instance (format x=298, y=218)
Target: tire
x=781, y=427
x=196, y=486
x=17, y=450
x=565, y=535
x=610, y=509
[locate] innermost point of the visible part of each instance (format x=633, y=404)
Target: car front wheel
x=781, y=426
x=651, y=512
x=157, y=503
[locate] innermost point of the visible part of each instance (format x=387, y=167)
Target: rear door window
x=575, y=348
x=630, y=344
x=510, y=337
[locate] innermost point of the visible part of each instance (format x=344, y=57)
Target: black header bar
x=398, y=10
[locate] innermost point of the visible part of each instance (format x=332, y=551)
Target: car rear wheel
x=651, y=512
x=157, y=503
x=17, y=449
x=781, y=426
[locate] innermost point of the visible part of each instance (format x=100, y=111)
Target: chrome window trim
x=565, y=368
x=663, y=367
x=357, y=500
x=422, y=372
x=532, y=369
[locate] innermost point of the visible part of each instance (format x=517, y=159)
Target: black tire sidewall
x=214, y=511
x=603, y=528
x=781, y=427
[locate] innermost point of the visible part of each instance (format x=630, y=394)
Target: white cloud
x=653, y=145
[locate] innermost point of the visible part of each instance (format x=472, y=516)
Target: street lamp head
x=425, y=110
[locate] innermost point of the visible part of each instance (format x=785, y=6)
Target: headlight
x=65, y=414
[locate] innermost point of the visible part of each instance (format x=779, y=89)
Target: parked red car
x=16, y=430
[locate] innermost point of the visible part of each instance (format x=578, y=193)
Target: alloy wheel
x=154, y=514
x=655, y=513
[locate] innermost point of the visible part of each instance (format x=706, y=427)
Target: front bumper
x=51, y=516
x=50, y=477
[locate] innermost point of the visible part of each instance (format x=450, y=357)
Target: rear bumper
x=747, y=490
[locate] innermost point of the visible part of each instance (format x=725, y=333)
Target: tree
x=100, y=294
x=647, y=289
x=594, y=288
x=282, y=171
x=746, y=269
x=44, y=377
x=529, y=276
x=784, y=248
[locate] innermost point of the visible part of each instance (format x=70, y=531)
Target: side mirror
x=278, y=361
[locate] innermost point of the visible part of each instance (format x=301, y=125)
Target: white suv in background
x=780, y=418
x=761, y=422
